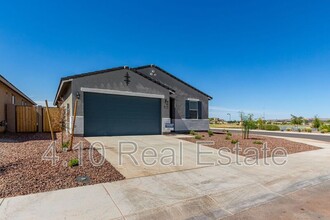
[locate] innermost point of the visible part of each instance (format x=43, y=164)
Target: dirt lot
x=22, y=170
x=220, y=141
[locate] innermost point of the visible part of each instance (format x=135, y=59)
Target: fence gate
x=26, y=119
x=55, y=115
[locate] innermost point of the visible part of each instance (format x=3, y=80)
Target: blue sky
x=269, y=57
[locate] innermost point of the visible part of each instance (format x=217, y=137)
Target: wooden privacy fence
x=29, y=118
x=55, y=115
x=26, y=119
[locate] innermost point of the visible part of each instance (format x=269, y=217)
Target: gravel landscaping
x=22, y=170
x=221, y=139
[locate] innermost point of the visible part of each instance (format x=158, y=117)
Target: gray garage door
x=120, y=115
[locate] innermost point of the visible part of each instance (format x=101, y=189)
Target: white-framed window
x=193, y=109
x=13, y=99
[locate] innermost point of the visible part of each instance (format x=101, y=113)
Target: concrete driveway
x=164, y=146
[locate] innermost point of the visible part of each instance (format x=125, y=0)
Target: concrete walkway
x=212, y=192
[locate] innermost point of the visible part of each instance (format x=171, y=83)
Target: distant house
x=9, y=94
x=132, y=101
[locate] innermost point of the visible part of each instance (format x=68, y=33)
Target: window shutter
x=199, y=110
x=187, y=110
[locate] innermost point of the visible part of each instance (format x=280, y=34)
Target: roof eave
x=171, y=75
x=70, y=78
x=59, y=89
x=11, y=86
x=153, y=80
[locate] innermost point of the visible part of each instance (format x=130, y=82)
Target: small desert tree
x=260, y=123
x=247, y=123
x=62, y=119
x=297, y=120
x=317, y=123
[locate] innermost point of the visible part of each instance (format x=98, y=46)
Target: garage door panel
x=121, y=115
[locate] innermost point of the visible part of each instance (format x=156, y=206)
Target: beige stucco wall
x=5, y=98
x=68, y=106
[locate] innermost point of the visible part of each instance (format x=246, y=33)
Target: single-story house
x=132, y=101
x=9, y=94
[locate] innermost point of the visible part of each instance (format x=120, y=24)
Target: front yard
x=22, y=170
x=223, y=139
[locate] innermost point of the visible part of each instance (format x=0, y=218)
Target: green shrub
x=258, y=142
x=325, y=128
x=234, y=141
x=309, y=130
x=210, y=133
x=66, y=144
x=229, y=134
x=271, y=127
x=198, y=137
x=253, y=125
x=228, y=138
x=317, y=123
x=299, y=130
x=288, y=129
x=192, y=132
x=324, y=131
x=73, y=162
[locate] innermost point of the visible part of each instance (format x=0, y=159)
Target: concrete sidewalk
x=205, y=193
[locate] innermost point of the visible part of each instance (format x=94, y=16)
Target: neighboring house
x=132, y=101
x=9, y=94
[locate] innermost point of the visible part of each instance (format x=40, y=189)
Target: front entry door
x=172, y=110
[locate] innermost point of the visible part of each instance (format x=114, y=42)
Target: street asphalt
x=309, y=203
x=317, y=137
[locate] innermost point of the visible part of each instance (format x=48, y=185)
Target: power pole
x=229, y=116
